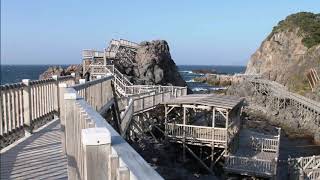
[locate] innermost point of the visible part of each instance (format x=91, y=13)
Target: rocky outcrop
x=152, y=65
x=59, y=71
x=289, y=51
x=289, y=119
x=215, y=79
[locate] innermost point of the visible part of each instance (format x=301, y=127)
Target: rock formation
x=58, y=70
x=292, y=48
x=152, y=65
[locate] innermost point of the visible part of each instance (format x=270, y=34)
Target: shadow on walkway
x=37, y=157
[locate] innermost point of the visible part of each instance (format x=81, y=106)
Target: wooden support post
x=56, y=100
x=123, y=173
x=2, y=117
x=62, y=114
x=184, y=134
x=213, y=136
x=27, y=106
x=74, y=79
x=113, y=164
x=97, y=147
x=70, y=117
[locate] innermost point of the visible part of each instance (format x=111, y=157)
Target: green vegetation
x=308, y=24
x=299, y=84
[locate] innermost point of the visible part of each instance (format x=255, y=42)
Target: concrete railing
x=94, y=149
x=23, y=106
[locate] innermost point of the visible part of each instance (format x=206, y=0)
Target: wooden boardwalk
x=37, y=157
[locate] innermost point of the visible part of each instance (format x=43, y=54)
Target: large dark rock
x=154, y=65
x=58, y=70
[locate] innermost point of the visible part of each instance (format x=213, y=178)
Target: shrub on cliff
x=308, y=24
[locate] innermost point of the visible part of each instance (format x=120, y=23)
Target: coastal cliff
x=291, y=49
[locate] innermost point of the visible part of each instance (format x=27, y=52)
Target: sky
x=198, y=32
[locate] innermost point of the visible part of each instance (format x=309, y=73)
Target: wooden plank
x=97, y=142
x=36, y=157
x=1, y=113
x=27, y=105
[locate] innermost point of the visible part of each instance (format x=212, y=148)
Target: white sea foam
x=190, y=72
x=191, y=80
x=199, y=89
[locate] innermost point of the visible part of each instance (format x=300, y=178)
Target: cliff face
x=289, y=51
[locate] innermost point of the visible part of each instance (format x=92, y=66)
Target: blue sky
x=198, y=32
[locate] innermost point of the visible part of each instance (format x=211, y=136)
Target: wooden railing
x=128, y=43
x=94, y=149
x=126, y=117
x=90, y=53
x=199, y=133
x=312, y=174
x=96, y=92
x=255, y=166
x=280, y=89
x=142, y=102
x=261, y=142
x=24, y=103
x=304, y=167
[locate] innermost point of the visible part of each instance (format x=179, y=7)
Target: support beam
x=200, y=161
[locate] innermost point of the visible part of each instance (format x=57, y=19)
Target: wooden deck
x=37, y=157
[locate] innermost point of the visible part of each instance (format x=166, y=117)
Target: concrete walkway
x=39, y=156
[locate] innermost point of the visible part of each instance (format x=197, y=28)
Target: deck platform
x=38, y=156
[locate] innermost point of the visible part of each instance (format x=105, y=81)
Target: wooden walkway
x=37, y=157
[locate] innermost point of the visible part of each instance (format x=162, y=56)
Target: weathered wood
x=27, y=105
x=113, y=164
x=97, y=142
x=38, y=157
x=123, y=173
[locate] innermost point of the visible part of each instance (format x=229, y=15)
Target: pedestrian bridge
x=76, y=142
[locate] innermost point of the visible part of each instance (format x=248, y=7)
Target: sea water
x=15, y=73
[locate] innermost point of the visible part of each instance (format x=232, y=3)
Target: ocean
x=15, y=73
x=188, y=75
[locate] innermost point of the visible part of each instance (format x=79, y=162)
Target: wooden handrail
x=117, y=157
x=23, y=104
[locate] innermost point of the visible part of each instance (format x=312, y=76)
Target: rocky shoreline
x=288, y=119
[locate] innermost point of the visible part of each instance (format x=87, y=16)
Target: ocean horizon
x=15, y=73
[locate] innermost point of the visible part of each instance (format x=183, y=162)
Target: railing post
x=100, y=97
x=69, y=108
x=123, y=173
x=57, y=97
x=97, y=148
x=62, y=113
x=27, y=106
x=74, y=78
x=82, y=81
x=113, y=164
